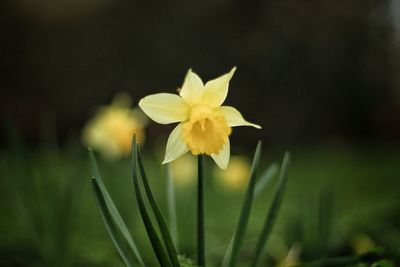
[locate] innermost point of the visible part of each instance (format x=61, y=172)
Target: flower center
x=206, y=131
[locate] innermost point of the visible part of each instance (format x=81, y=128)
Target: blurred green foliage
x=48, y=215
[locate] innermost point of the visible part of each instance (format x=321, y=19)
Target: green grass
x=48, y=215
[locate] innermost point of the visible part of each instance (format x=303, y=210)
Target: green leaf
x=151, y=231
x=273, y=211
x=119, y=241
x=171, y=203
x=266, y=178
x=237, y=240
x=166, y=237
x=325, y=215
x=112, y=209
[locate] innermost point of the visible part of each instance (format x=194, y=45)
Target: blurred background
x=321, y=77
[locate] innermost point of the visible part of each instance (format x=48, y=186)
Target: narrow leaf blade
x=273, y=211
x=166, y=237
x=113, y=209
x=171, y=202
x=237, y=239
x=151, y=231
x=266, y=178
x=118, y=240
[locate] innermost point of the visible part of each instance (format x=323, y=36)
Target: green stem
x=200, y=214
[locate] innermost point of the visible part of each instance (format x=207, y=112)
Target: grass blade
x=266, y=178
x=113, y=209
x=228, y=253
x=273, y=211
x=171, y=202
x=237, y=240
x=118, y=240
x=261, y=184
x=151, y=232
x=325, y=219
x=166, y=237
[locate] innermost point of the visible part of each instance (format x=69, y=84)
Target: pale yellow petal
x=215, y=91
x=222, y=158
x=192, y=89
x=165, y=108
x=234, y=118
x=175, y=145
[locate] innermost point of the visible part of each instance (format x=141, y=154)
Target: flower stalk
x=200, y=214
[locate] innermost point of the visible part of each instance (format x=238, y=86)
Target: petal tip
x=222, y=158
x=223, y=167
x=231, y=72
x=166, y=160
x=141, y=102
x=188, y=72
x=223, y=164
x=191, y=72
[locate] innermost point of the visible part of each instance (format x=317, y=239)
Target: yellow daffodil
x=111, y=129
x=236, y=175
x=204, y=125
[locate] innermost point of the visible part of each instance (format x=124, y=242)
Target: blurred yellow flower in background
x=111, y=130
x=184, y=171
x=235, y=176
x=204, y=125
x=292, y=257
x=362, y=243
x=284, y=254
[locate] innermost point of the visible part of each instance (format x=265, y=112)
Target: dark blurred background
x=308, y=71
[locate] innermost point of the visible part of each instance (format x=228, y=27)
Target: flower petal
x=216, y=90
x=234, y=118
x=164, y=108
x=175, y=145
x=222, y=159
x=192, y=88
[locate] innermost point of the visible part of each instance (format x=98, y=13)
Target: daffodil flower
x=110, y=130
x=204, y=125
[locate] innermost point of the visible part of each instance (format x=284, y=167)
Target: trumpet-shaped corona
x=206, y=131
x=204, y=125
